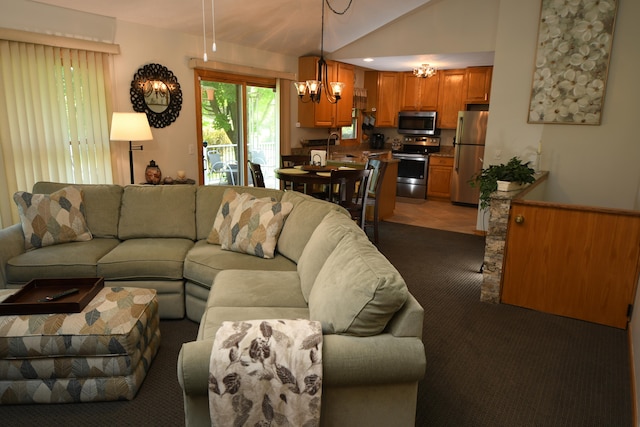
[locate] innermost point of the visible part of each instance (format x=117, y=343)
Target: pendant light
x=313, y=88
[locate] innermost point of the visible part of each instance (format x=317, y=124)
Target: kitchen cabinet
x=344, y=107
x=439, y=181
x=382, y=96
x=450, y=97
x=418, y=93
x=478, y=85
x=324, y=113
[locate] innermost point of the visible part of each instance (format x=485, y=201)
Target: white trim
x=239, y=69
x=58, y=41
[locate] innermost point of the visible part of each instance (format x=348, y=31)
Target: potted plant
x=515, y=171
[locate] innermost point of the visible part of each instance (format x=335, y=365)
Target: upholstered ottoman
x=102, y=353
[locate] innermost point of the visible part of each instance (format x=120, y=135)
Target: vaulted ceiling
x=291, y=27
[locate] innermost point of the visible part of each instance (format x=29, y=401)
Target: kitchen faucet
x=336, y=135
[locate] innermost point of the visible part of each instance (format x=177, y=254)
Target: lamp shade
x=130, y=127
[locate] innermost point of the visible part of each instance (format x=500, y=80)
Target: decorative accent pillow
x=248, y=224
x=50, y=219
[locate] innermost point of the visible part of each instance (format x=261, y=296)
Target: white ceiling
x=291, y=27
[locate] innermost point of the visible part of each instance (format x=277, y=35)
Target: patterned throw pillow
x=50, y=219
x=248, y=224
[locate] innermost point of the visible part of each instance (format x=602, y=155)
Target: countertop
x=445, y=151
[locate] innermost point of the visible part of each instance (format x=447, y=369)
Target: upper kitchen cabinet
x=344, y=107
x=382, y=91
x=324, y=113
x=450, y=97
x=418, y=93
x=478, y=85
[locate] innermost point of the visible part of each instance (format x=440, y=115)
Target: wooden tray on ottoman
x=28, y=299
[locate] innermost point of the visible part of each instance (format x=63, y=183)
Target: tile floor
x=442, y=215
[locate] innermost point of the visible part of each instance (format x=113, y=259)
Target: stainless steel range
x=413, y=168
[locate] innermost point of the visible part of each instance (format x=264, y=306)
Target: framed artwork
x=572, y=61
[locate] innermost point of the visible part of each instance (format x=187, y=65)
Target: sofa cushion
x=209, y=199
x=101, y=203
x=357, y=290
x=75, y=259
x=52, y=219
x=252, y=288
x=302, y=221
x=204, y=261
x=248, y=224
x=156, y=258
x=158, y=211
x=323, y=241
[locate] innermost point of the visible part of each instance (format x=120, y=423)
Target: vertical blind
x=53, y=119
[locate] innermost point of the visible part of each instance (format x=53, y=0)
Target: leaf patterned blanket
x=266, y=372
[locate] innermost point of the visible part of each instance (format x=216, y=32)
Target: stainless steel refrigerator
x=468, y=155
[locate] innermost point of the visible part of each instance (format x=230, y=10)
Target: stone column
x=494, y=246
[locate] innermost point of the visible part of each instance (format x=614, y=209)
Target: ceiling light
x=424, y=71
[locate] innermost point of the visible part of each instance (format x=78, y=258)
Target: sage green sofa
x=325, y=268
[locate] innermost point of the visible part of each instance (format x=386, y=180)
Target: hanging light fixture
x=204, y=34
x=313, y=88
x=213, y=27
x=204, y=30
x=424, y=71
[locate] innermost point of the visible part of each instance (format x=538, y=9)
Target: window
x=238, y=122
x=351, y=132
x=54, y=117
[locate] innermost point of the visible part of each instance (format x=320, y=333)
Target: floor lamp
x=130, y=127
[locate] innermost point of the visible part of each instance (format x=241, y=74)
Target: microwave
x=417, y=122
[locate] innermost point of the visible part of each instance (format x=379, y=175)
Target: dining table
x=310, y=177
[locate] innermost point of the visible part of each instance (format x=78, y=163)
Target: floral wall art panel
x=572, y=60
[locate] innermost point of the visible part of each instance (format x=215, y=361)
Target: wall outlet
x=498, y=154
x=191, y=149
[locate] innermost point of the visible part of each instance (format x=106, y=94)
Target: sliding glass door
x=237, y=122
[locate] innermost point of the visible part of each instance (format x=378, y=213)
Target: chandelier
x=313, y=88
x=424, y=71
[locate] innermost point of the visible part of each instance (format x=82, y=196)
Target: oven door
x=412, y=175
x=412, y=168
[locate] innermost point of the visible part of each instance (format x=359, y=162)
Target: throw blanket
x=266, y=372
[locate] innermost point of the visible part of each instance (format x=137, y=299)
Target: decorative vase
x=153, y=174
x=509, y=186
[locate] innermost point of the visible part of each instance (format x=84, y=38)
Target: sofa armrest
x=11, y=244
x=378, y=359
x=347, y=361
x=193, y=367
x=407, y=322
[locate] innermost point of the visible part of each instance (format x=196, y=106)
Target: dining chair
x=348, y=188
x=378, y=169
x=289, y=161
x=256, y=174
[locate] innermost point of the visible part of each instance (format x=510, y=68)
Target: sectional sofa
x=221, y=253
